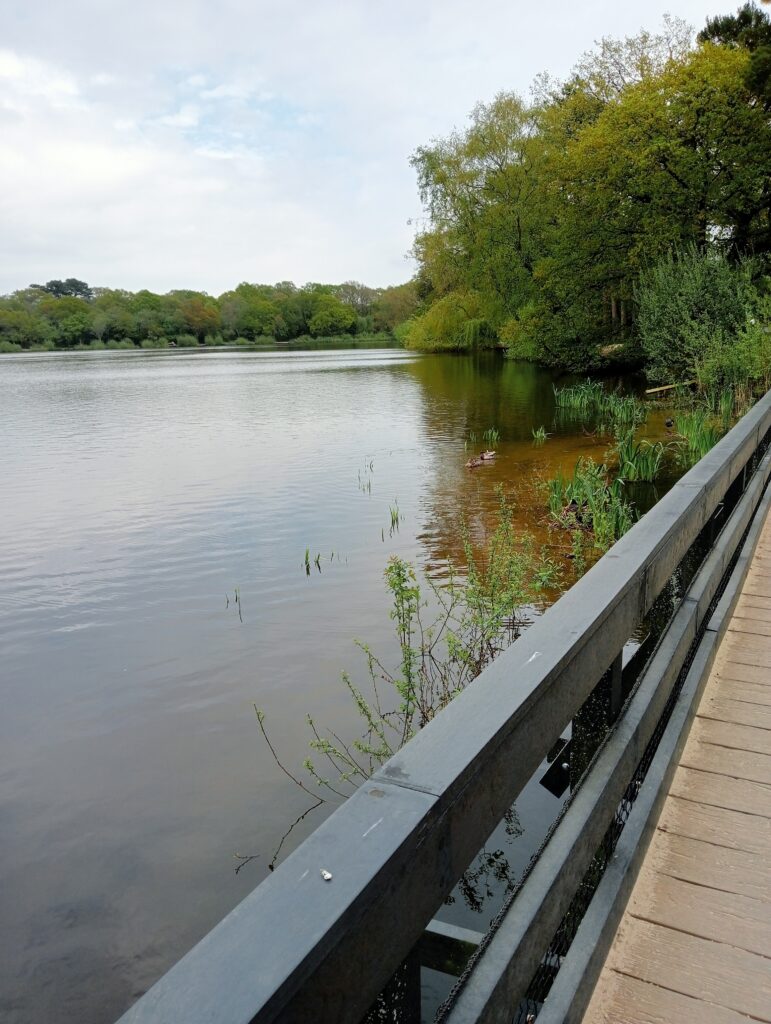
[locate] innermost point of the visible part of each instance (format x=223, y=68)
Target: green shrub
x=741, y=363
x=9, y=346
x=186, y=341
x=154, y=343
x=214, y=340
x=123, y=343
x=689, y=303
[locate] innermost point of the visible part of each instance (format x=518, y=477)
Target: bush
x=9, y=346
x=97, y=345
x=123, y=343
x=154, y=343
x=186, y=341
x=213, y=340
x=742, y=363
x=689, y=303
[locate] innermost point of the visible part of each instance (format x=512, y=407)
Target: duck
x=479, y=460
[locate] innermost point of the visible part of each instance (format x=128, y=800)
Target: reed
x=697, y=434
x=396, y=517
x=609, y=409
x=539, y=435
x=639, y=460
x=590, y=501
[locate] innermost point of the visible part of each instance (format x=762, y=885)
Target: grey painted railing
x=301, y=948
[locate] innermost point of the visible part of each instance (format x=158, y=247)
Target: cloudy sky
x=166, y=144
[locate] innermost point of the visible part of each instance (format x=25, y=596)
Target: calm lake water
x=139, y=492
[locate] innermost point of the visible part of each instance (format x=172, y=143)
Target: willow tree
x=481, y=191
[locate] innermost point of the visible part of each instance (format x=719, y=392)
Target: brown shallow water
x=139, y=490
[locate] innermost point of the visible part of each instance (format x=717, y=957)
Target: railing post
x=616, y=687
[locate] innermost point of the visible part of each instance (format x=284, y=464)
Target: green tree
x=330, y=316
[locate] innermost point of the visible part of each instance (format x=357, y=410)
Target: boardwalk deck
x=694, y=943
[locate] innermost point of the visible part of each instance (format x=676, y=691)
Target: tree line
x=622, y=216
x=69, y=313
x=546, y=218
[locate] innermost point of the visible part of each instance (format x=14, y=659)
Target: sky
x=171, y=144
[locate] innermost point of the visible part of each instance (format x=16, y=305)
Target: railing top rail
x=302, y=948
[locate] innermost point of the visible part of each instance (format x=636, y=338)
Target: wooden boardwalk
x=694, y=944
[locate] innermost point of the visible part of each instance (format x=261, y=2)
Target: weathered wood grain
x=694, y=943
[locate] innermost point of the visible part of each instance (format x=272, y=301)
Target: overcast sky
x=172, y=144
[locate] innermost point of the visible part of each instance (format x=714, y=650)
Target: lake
x=157, y=508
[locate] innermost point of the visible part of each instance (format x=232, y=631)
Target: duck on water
x=479, y=460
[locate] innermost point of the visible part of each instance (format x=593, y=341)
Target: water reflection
x=141, y=493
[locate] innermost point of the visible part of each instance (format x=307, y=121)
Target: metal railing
x=301, y=948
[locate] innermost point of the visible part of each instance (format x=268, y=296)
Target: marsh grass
x=590, y=501
x=539, y=435
x=609, y=409
x=396, y=517
x=639, y=460
x=697, y=434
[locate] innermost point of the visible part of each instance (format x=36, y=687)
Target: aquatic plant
x=590, y=501
x=396, y=517
x=697, y=434
x=491, y=436
x=639, y=460
x=474, y=615
x=539, y=435
x=609, y=409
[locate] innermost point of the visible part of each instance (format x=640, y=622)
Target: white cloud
x=187, y=144
x=24, y=80
x=187, y=116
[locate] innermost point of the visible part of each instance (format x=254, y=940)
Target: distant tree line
x=69, y=313
x=547, y=218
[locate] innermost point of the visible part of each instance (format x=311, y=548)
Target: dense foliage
x=621, y=216
x=543, y=215
x=67, y=314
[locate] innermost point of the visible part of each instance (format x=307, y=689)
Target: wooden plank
x=751, y=615
x=620, y=998
x=740, y=764
x=756, y=627
x=735, y=644
x=717, y=825
x=738, y=712
x=737, y=737
x=669, y=387
x=695, y=940
x=748, y=692
x=727, y=918
x=759, y=642
x=746, y=654
x=745, y=613
x=706, y=787
x=711, y=971
x=752, y=601
x=760, y=675
x=717, y=867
